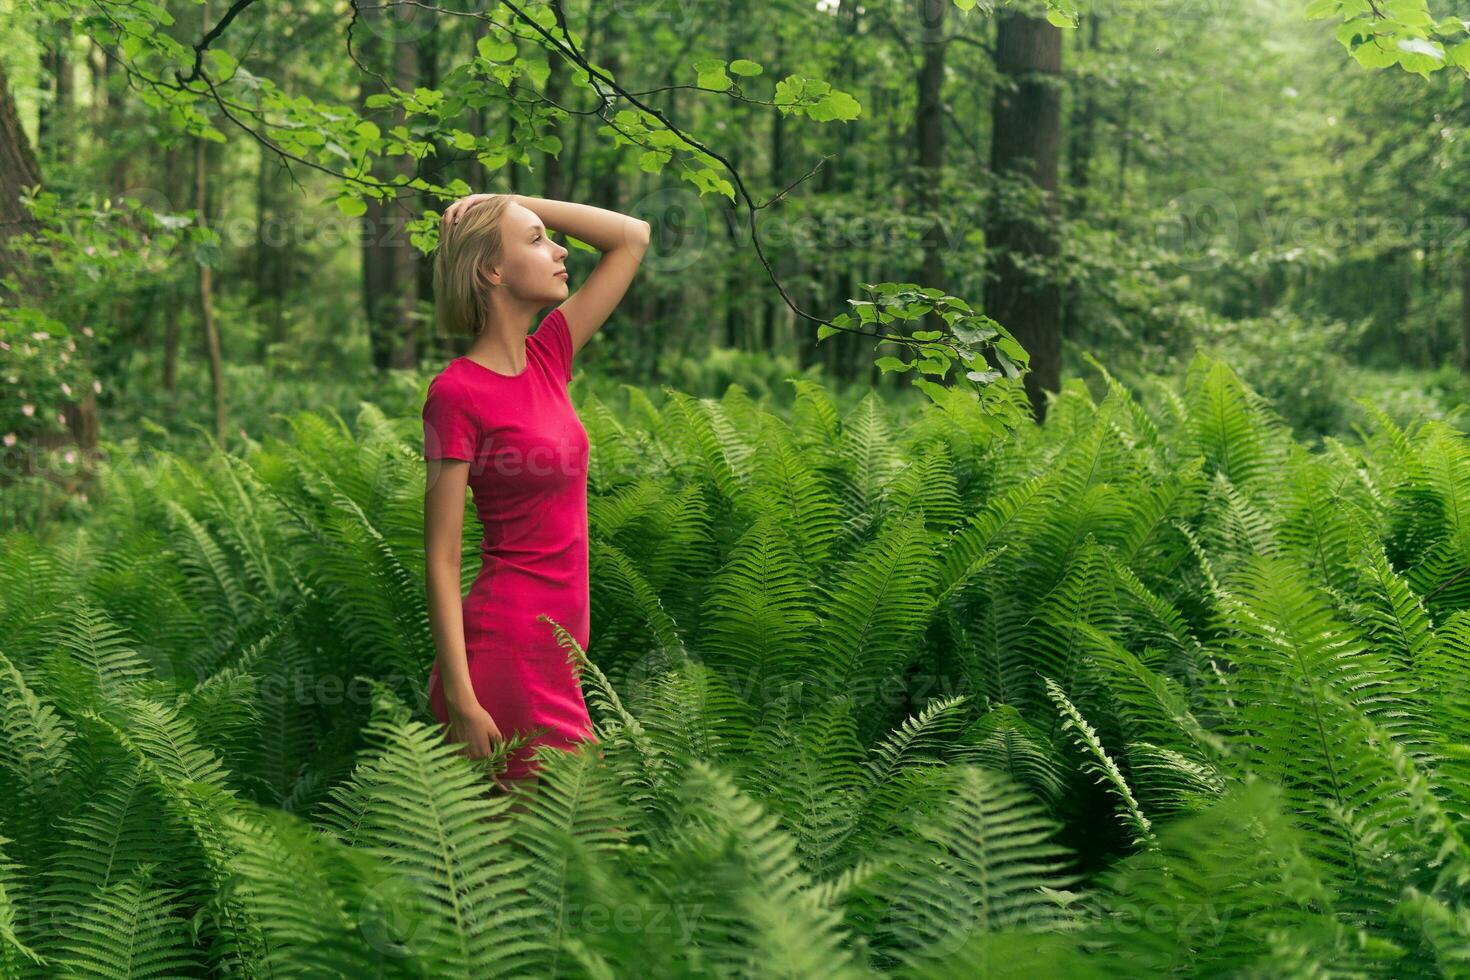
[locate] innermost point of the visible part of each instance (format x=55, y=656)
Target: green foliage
x=1148, y=688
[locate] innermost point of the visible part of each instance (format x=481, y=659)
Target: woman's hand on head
x=458, y=208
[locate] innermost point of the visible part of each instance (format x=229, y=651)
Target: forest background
x=251, y=229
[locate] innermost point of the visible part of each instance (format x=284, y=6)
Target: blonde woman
x=499, y=420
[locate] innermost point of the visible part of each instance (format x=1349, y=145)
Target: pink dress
x=528, y=455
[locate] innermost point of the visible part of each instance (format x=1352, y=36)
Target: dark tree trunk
x=1084, y=129
x=929, y=127
x=1084, y=121
x=388, y=275
x=206, y=281
x=1465, y=313
x=1027, y=137
x=171, y=308
x=54, y=129
x=18, y=171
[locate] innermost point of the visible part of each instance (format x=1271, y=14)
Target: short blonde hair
x=474, y=243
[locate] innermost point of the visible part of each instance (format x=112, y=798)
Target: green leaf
x=207, y=253
x=652, y=161
x=223, y=62
x=743, y=66
x=1059, y=19
x=934, y=365
x=716, y=79
x=824, y=331
x=495, y=49
x=352, y=206
x=886, y=364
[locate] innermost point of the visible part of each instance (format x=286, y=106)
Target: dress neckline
x=499, y=374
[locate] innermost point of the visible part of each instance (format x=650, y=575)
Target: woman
x=499, y=420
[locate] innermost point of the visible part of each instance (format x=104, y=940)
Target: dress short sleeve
x=556, y=341
x=449, y=428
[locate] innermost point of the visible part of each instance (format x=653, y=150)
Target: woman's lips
x=562, y=275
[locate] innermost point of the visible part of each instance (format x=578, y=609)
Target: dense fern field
x=1152, y=688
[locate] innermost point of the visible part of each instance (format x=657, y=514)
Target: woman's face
x=529, y=259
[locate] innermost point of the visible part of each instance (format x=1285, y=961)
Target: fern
x=1101, y=765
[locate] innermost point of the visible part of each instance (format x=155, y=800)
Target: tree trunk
x=1084, y=128
x=929, y=129
x=18, y=170
x=1465, y=312
x=54, y=129
x=206, y=274
x=1027, y=137
x=171, y=308
x=388, y=275
x=1084, y=121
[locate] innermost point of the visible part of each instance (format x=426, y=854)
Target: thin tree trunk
x=929, y=128
x=1026, y=143
x=18, y=170
x=171, y=308
x=206, y=274
x=1465, y=313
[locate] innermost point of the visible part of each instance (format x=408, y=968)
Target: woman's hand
x=472, y=725
x=452, y=213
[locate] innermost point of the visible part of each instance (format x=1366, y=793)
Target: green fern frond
x=814, y=417
x=1151, y=707
x=216, y=589
x=132, y=928
x=757, y=612
x=977, y=860
x=93, y=661
x=869, y=454
x=1054, y=642
x=691, y=710
x=628, y=748
x=1390, y=614
x=877, y=607
x=121, y=826
x=1313, y=522
x=422, y=809
x=918, y=743
x=32, y=584
x=1217, y=884
x=1002, y=740
x=762, y=913
x=712, y=442
x=13, y=899
x=1099, y=763
x=1226, y=425
x=1234, y=524
x=928, y=483
x=34, y=743
x=325, y=909
x=622, y=584
x=810, y=771
x=987, y=529
x=788, y=490
x=1169, y=781
x=1444, y=927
